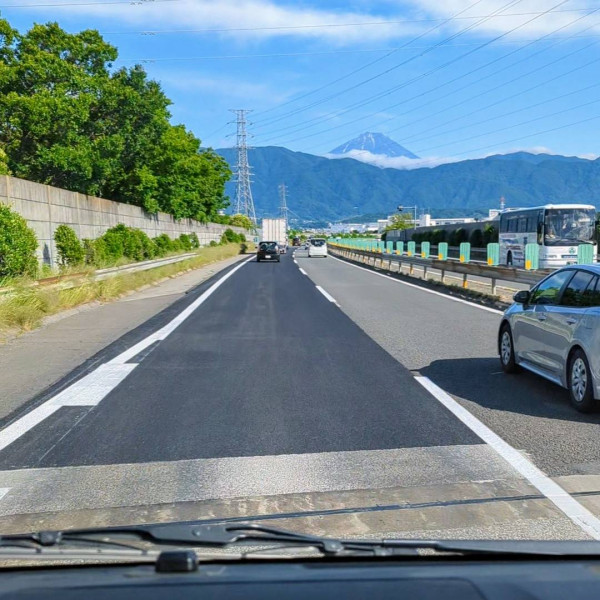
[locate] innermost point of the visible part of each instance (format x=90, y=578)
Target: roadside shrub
x=176, y=245
x=164, y=244
x=70, y=249
x=194, y=240
x=114, y=242
x=213, y=243
x=457, y=237
x=185, y=241
x=17, y=245
x=230, y=237
x=476, y=238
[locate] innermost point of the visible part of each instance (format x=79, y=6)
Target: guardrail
x=474, y=269
x=101, y=274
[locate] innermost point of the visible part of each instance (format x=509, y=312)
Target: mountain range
x=322, y=190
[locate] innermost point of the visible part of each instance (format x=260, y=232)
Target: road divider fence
x=489, y=269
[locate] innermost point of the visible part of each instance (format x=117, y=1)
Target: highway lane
x=269, y=396
x=454, y=344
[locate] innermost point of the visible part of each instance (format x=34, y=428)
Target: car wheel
x=581, y=388
x=507, y=350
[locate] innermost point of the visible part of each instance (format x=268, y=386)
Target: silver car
x=554, y=331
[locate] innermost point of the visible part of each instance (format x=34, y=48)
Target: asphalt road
x=289, y=390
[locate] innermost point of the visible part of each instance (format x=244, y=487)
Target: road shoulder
x=35, y=360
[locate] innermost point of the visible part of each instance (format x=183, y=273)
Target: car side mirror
x=522, y=297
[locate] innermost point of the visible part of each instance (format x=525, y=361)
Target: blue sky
x=448, y=80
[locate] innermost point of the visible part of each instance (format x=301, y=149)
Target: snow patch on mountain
x=374, y=143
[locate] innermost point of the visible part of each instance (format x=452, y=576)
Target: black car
x=268, y=251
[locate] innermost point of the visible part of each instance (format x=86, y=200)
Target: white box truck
x=275, y=230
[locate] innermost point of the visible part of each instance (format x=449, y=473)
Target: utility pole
x=283, y=209
x=244, y=204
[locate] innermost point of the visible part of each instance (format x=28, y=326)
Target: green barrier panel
x=465, y=252
x=585, y=254
x=381, y=246
x=493, y=255
x=400, y=248
x=389, y=247
x=425, y=249
x=443, y=251
x=412, y=248
x=532, y=257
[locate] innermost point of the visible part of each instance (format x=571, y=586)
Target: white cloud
x=517, y=15
x=248, y=14
x=401, y=162
x=395, y=162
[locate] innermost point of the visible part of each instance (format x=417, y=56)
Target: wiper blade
x=228, y=535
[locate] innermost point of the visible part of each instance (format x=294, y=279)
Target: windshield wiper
x=229, y=535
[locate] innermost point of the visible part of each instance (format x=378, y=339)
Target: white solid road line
x=423, y=289
x=302, y=271
x=328, y=296
x=575, y=511
x=94, y=387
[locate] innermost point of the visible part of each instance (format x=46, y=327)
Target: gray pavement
x=270, y=402
x=454, y=344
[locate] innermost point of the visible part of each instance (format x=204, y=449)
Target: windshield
x=568, y=226
x=258, y=262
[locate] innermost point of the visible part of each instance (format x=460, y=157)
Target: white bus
x=558, y=229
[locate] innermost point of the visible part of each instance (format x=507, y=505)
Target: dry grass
x=25, y=307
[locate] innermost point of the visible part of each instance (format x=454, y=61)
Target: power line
x=71, y=4
x=330, y=52
x=501, y=85
x=519, y=93
x=320, y=26
x=406, y=83
x=494, y=74
x=296, y=111
x=524, y=137
x=527, y=122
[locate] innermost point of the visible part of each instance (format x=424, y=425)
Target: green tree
x=239, y=220
x=68, y=120
x=399, y=221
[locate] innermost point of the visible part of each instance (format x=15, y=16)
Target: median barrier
x=494, y=273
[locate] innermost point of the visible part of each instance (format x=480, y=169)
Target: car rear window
x=318, y=243
x=268, y=246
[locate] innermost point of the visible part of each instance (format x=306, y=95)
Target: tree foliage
x=68, y=120
x=399, y=221
x=17, y=245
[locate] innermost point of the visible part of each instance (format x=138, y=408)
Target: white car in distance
x=317, y=247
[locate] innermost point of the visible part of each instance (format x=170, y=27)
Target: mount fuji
x=375, y=143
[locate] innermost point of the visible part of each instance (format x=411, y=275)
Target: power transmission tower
x=283, y=209
x=244, y=204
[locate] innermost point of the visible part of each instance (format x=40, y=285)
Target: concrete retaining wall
x=45, y=208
